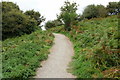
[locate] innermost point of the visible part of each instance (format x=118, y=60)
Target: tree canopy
x=35, y=15
x=15, y=22
x=68, y=14
x=92, y=11
x=9, y=6
x=113, y=8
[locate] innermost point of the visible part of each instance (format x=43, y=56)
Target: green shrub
x=16, y=23
x=51, y=24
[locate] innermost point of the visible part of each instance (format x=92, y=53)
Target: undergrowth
x=22, y=55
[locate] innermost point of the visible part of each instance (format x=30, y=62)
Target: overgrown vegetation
x=96, y=48
x=22, y=55
x=95, y=40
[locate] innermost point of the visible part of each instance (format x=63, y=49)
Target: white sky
x=49, y=8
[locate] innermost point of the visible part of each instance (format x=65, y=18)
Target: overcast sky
x=49, y=8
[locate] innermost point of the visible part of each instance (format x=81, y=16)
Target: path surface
x=57, y=63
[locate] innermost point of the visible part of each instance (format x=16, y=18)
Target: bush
x=102, y=11
x=16, y=24
x=51, y=24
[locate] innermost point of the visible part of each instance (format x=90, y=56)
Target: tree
x=35, y=15
x=9, y=6
x=92, y=11
x=68, y=15
x=0, y=21
x=119, y=8
x=113, y=8
x=14, y=22
x=101, y=10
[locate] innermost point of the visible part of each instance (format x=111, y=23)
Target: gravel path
x=57, y=63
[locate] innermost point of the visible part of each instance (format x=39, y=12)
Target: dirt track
x=57, y=63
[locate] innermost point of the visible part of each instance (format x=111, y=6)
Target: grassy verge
x=22, y=55
x=96, y=48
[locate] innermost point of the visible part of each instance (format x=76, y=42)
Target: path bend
x=58, y=60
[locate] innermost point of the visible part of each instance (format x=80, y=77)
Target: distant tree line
x=15, y=22
x=69, y=17
x=92, y=11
